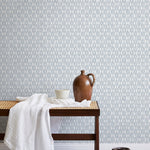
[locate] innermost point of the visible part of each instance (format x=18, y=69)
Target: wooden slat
x=73, y=112
x=97, y=132
x=4, y=112
x=66, y=136
x=2, y=136
x=73, y=136
x=60, y=112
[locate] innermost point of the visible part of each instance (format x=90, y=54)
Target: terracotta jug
x=82, y=86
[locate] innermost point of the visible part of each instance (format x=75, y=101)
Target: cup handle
x=91, y=74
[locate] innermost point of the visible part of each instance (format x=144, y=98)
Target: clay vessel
x=82, y=86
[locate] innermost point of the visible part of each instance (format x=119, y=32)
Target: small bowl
x=62, y=94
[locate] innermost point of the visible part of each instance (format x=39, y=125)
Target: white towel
x=28, y=126
x=68, y=102
x=55, y=122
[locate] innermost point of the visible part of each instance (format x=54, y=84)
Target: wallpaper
x=45, y=44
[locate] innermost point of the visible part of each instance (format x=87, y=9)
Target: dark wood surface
x=2, y=136
x=77, y=112
x=66, y=136
x=97, y=133
x=61, y=112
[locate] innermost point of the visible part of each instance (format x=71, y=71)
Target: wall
x=45, y=44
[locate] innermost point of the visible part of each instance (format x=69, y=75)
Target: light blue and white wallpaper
x=44, y=44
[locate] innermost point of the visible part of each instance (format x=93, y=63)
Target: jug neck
x=82, y=72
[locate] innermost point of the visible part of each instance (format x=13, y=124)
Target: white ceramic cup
x=62, y=94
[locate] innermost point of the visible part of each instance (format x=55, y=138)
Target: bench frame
x=71, y=112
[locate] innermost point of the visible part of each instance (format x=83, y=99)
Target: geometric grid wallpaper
x=45, y=44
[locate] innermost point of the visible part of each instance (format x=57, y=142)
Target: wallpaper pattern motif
x=45, y=44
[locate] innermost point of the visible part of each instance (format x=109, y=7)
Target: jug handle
x=91, y=74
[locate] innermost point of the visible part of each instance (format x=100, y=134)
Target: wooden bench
x=93, y=110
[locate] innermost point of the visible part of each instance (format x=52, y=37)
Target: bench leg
x=97, y=132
